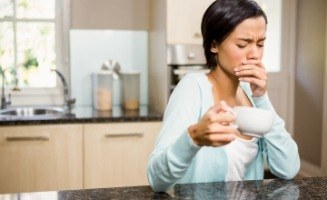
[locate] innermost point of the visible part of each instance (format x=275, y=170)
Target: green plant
x=24, y=4
x=13, y=80
x=2, y=75
x=1, y=70
x=2, y=52
x=30, y=60
x=45, y=30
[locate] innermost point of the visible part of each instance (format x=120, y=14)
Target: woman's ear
x=214, y=47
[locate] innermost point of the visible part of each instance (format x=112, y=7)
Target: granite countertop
x=300, y=188
x=86, y=114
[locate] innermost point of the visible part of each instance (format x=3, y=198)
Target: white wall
x=90, y=48
x=107, y=29
x=309, y=85
x=272, y=55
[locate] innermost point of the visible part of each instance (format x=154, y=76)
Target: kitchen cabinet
x=39, y=158
x=172, y=22
x=116, y=154
x=75, y=156
x=184, y=20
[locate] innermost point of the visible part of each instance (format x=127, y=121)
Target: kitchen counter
x=300, y=188
x=88, y=115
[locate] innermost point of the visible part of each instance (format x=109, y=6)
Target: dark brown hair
x=221, y=18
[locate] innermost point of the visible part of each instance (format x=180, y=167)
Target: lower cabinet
x=116, y=154
x=68, y=156
x=41, y=158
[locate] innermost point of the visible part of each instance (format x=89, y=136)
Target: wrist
x=192, y=132
x=259, y=94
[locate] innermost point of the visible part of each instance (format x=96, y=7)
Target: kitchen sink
x=32, y=112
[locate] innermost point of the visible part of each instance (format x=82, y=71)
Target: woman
x=197, y=142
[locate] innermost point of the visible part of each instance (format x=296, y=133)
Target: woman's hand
x=254, y=73
x=214, y=128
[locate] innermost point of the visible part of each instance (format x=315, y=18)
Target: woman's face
x=244, y=45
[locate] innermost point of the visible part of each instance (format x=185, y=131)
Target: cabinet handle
x=27, y=138
x=191, y=56
x=112, y=135
x=197, y=35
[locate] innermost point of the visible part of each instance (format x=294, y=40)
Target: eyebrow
x=251, y=40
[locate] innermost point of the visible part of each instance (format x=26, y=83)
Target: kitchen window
x=32, y=35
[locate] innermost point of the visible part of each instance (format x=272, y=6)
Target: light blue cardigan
x=176, y=159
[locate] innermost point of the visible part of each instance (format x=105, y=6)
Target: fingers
x=258, y=82
x=221, y=106
x=254, y=73
x=214, y=128
x=212, y=135
x=217, y=140
x=218, y=134
x=221, y=113
x=254, y=62
x=221, y=118
x=225, y=107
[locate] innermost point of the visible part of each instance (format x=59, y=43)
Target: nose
x=255, y=52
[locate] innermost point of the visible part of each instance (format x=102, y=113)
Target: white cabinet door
x=184, y=20
x=117, y=154
x=40, y=158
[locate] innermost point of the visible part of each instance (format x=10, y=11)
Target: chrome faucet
x=4, y=100
x=68, y=101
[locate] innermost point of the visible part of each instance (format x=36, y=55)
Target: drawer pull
x=112, y=135
x=27, y=138
x=197, y=35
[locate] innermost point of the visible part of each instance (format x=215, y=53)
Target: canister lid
x=104, y=72
x=130, y=72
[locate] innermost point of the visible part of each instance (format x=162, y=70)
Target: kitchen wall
x=110, y=14
x=90, y=48
x=309, y=86
x=107, y=29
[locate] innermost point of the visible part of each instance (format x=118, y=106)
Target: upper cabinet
x=184, y=20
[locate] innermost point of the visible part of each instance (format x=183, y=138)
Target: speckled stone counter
x=301, y=188
x=87, y=115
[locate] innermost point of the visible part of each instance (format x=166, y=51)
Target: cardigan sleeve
x=278, y=146
x=174, y=149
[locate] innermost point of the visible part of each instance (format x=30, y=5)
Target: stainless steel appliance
x=183, y=59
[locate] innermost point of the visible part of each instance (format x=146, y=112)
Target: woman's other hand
x=254, y=73
x=214, y=128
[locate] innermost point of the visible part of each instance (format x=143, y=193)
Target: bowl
x=253, y=121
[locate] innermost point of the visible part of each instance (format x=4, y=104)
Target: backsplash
x=90, y=48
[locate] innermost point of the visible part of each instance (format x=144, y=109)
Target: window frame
x=49, y=96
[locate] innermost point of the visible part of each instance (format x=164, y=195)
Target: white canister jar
x=130, y=82
x=102, y=85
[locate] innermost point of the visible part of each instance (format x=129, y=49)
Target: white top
x=176, y=159
x=240, y=154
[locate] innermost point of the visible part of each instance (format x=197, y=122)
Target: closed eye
x=261, y=42
x=241, y=45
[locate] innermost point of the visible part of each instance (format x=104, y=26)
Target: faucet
x=4, y=101
x=68, y=101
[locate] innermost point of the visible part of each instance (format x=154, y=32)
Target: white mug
x=253, y=121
